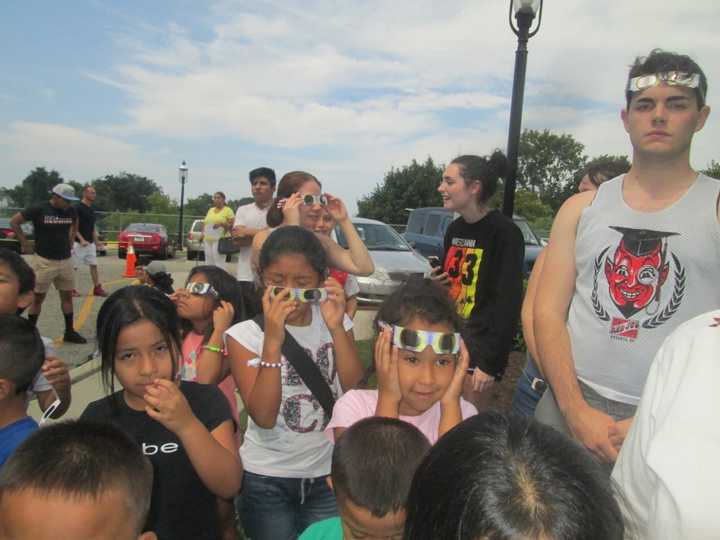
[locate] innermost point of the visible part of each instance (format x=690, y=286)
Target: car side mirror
x=412, y=244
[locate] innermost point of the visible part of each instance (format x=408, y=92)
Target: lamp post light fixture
x=183, y=174
x=526, y=13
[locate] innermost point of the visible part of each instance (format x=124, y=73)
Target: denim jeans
x=525, y=399
x=272, y=508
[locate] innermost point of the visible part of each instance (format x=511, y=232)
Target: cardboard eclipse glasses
x=306, y=296
x=418, y=340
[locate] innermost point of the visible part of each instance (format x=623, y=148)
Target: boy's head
x=372, y=468
x=22, y=354
x=17, y=282
x=669, y=68
x=77, y=478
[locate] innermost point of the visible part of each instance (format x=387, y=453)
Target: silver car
x=395, y=261
x=193, y=244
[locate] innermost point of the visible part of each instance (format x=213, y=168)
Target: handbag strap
x=305, y=367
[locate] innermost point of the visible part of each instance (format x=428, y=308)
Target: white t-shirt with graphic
x=296, y=447
x=248, y=215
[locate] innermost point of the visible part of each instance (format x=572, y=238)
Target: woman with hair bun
x=483, y=268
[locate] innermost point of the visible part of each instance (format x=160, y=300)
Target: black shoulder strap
x=306, y=369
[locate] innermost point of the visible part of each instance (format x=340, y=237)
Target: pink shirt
x=359, y=404
x=191, y=349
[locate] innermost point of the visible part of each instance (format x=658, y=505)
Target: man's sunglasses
x=306, y=296
x=309, y=200
x=201, y=289
x=419, y=340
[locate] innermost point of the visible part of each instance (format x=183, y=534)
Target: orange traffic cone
x=130, y=260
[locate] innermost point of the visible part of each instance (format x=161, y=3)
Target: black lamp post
x=183, y=173
x=525, y=12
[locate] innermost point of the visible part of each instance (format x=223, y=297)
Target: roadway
x=84, y=370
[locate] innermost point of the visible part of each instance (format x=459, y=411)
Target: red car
x=146, y=238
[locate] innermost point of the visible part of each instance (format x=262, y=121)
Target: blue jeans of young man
x=273, y=508
x=525, y=399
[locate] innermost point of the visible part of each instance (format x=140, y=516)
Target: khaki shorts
x=49, y=271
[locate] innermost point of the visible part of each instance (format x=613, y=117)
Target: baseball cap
x=66, y=191
x=155, y=267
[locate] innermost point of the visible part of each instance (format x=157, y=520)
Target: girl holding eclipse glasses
x=420, y=361
x=286, y=455
x=300, y=201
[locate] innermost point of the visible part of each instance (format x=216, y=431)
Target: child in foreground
x=420, y=362
x=510, y=477
x=285, y=452
x=51, y=384
x=372, y=469
x=76, y=480
x=21, y=356
x=184, y=427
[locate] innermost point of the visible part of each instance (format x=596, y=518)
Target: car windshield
x=527, y=232
x=377, y=237
x=197, y=226
x=144, y=227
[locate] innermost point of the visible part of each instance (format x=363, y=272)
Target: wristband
x=257, y=363
x=213, y=348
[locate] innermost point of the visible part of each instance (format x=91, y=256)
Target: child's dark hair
x=418, y=298
x=22, y=351
x=129, y=305
x=228, y=290
x=290, y=183
x=292, y=240
x=81, y=459
x=374, y=462
x=505, y=477
x=263, y=172
x=659, y=61
x=18, y=266
x=602, y=169
x=162, y=281
x=486, y=170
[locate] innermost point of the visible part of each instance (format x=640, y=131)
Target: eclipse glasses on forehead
x=671, y=78
x=306, y=296
x=201, y=289
x=309, y=200
x=419, y=340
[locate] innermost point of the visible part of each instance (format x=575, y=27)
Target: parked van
x=426, y=230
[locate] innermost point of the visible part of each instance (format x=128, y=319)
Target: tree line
x=550, y=167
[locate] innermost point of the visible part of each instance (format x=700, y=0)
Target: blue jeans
x=525, y=399
x=273, y=508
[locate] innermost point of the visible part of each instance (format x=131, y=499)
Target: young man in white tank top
x=629, y=263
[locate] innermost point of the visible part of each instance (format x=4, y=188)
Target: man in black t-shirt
x=85, y=246
x=55, y=226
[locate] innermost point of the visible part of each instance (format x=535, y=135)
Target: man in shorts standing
x=55, y=227
x=85, y=247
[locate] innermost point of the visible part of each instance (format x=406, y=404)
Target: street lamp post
x=183, y=173
x=525, y=12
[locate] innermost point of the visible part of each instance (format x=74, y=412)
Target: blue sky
x=345, y=90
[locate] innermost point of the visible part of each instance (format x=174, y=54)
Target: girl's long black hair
x=127, y=306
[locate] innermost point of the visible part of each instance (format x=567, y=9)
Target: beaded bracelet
x=257, y=363
x=213, y=348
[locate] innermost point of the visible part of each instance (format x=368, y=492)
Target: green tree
x=34, y=189
x=713, y=169
x=199, y=206
x=160, y=203
x=412, y=186
x=124, y=192
x=548, y=163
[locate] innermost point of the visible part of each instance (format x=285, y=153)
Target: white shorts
x=84, y=254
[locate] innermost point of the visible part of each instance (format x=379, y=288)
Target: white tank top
x=639, y=276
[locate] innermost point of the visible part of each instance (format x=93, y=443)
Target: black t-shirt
x=484, y=261
x=86, y=221
x=182, y=507
x=52, y=230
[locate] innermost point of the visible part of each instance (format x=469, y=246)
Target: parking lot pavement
x=84, y=371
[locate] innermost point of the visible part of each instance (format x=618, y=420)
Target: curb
x=84, y=371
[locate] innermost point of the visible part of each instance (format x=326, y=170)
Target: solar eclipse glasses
x=306, y=296
x=418, y=340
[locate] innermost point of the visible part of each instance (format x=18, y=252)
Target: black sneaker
x=71, y=336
